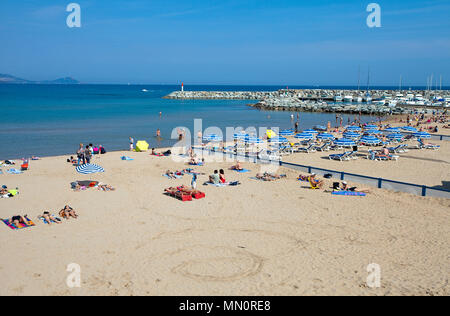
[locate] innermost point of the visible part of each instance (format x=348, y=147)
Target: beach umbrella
x=409, y=129
x=240, y=136
x=305, y=136
x=392, y=130
x=325, y=136
x=372, y=132
x=287, y=132
x=212, y=138
x=254, y=140
x=371, y=126
x=142, y=145
x=344, y=142
x=395, y=136
x=422, y=135
x=351, y=135
x=370, y=140
x=89, y=169
x=270, y=133
x=311, y=131
x=278, y=140
x=353, y=128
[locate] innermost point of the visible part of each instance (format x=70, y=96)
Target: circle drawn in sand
x=214, y=254
x=218, y=264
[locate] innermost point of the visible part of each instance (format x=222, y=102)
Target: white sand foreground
x=274, y=238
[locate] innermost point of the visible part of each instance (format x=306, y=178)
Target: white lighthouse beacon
x=182, y=87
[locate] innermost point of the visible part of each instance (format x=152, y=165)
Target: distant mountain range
x=8, y=79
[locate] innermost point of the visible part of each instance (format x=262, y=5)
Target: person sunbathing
x=269, y=176
x=17, y=220
x=49, y=218
x=170, y=174
x=315, y=183
x=67, y=212
x=303, y=178
x=346, y=187
x=105, y=187
x=237, y=167
x=264, y=177
x=187, y=190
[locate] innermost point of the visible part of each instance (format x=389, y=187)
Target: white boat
x=144, y=90
x=359, y=99
x=348, y=98
x=392, y=103
x=338, y=98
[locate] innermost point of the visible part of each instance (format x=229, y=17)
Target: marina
x=373, y=102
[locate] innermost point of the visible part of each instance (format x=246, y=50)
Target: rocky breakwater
x=222, y=95
x=298, y=105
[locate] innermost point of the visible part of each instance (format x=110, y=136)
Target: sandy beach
x=259, y=238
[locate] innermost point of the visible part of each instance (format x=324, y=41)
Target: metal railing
x=380, y=183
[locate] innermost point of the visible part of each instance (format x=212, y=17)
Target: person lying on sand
x=237, y=167
x=170, y=174
x=49, y=218
x=269, y=176
x=67, y=212
x=106, y=187
x=17, y=220
x=303, y=178
x=345, y=187
x=186, y=189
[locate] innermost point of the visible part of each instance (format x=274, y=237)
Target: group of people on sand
x=317, y=183
x=85, y=154
x=66, y=213
x=218, y=177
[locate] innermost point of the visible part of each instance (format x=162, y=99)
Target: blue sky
x=282, y=42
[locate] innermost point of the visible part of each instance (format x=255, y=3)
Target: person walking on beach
x=131, y=143
x=194, y=181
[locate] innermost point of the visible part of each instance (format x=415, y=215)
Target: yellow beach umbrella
x=142, y=145
x=271, y=134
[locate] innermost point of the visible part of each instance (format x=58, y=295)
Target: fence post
x=424, y=191
x=380, y=183
x=309, y=170
x=342, y=176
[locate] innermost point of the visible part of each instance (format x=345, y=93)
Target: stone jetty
x=318, y=100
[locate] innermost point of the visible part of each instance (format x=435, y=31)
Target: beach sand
x=259, y=238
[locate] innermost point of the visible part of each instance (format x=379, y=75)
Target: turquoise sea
x=46, y=120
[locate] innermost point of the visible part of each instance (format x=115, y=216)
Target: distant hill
x=8, y=79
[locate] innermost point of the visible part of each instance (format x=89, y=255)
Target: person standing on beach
x=194, y=181
x=87, y=154
x=80, y=155
x=296, y=127
x=131, y=143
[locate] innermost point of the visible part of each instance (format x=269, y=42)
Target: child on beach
x=131, y=143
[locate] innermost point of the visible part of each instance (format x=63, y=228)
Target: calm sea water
x=46, y=120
